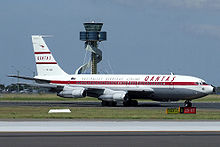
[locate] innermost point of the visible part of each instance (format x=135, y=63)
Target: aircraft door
x=171, y=86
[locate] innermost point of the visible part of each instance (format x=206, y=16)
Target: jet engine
x=111, y=95
x=72, y=92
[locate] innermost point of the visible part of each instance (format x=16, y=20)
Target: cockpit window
x=204, y=83
x=201, y=83
x=197, y=83
x=73, y=78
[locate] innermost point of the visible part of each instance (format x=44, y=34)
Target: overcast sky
x=143, y=36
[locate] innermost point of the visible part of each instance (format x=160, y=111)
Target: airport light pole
x=18, y=88
x=18, y=72
x=32, y=71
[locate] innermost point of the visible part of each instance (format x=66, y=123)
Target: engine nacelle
x=110, y=95
x=73, y=92
x=119, y=96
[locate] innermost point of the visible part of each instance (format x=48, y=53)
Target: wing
x=132, y=93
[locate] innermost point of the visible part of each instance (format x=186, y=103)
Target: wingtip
x=11, y=75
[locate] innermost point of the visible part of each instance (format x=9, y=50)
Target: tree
x=2, y=87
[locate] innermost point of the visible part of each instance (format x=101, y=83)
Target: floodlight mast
x=92, y=36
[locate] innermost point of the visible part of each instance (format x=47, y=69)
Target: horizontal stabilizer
x=38, y=85
x=51, y=88
x=30, y=78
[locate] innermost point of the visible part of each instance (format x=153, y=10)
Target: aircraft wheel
x=187, y=103
x=113, y=104
x=109, y=103
x=134, y=102
x=104, y=103
x=126, y=103
x=130, y=103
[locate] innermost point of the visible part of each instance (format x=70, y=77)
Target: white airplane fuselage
x=114, y=87
x=163, y=87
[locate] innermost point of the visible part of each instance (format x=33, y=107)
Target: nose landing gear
x=187, y=103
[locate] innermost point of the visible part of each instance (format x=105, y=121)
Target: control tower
x=92, y=36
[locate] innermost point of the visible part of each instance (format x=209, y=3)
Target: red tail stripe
x=123, y=83
x=42, y=52
x=46, y=62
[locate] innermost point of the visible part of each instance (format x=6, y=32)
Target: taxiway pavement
x=110, y=139
x=109, y=133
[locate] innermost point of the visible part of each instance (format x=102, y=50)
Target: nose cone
x=210, y=89
x=214, y=89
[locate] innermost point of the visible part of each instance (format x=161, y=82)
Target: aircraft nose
x=214, y=89
x=210, y=89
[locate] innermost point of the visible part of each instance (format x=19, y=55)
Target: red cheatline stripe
x=123, y=83
x=46, y=62
x=42, y=52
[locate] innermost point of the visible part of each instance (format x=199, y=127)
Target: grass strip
x=104, y=113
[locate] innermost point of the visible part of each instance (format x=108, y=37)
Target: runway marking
x=109, y=126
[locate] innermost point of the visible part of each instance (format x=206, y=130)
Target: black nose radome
x=214, y=89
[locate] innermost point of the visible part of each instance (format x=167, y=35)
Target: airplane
x=114, y=88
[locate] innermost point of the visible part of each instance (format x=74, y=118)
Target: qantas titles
x=159, y=78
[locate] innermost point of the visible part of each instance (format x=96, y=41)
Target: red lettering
x=44, y=58
x=152, y=78
x=147, y=77
x=157, y=79
x=163, y=78
x=168, y=78
x=173, y=78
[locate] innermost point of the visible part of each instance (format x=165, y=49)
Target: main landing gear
x=125, y=103
x=187, y=103
x=109, y=103
x=130, y=103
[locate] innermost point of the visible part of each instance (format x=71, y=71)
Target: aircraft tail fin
x=45, y=63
